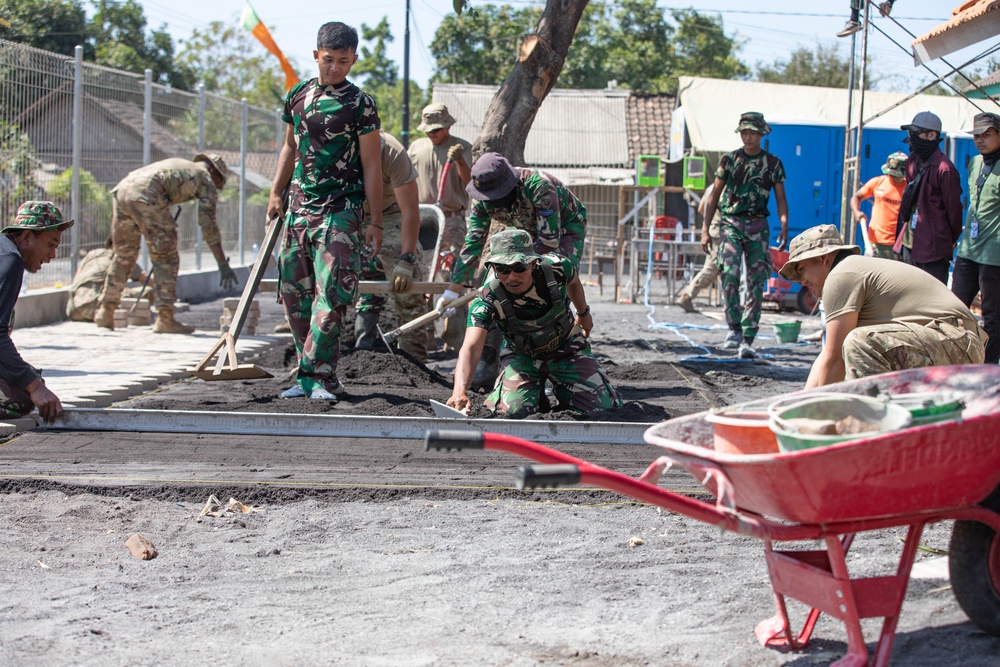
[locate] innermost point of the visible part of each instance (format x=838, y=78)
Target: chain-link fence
x=70, y=131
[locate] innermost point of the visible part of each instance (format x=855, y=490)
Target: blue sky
x=767, y=30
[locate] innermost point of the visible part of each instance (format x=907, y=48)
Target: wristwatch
x=408, y=257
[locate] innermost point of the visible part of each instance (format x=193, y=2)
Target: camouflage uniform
x=140, y=209
x=320, y=254
x=429, y=161
x=710, y=271
x=561, y=229
x=15, y=373
x=897, y=346
x=580, y=383
x=745, y=233
x=85, y=292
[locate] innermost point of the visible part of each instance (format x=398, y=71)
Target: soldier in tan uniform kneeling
x=881, y=315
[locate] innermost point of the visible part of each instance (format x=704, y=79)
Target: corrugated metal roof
x=984, y=83
x=573, y=128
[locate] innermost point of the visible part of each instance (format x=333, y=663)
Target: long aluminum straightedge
x=341, y=426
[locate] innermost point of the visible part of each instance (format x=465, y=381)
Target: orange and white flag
x=257, y=28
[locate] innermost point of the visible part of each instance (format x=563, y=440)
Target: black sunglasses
x=503, y=269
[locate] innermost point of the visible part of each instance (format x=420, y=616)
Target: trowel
x=442, y=410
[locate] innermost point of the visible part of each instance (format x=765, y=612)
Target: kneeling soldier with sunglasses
x=529, y=300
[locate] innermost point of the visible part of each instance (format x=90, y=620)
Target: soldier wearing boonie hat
x=529, y=300
x=509, y=197
x=887, y=191
x=881, y=315
x=743, y=184
x=140, y=208
x=27, y=243
x=977, y=262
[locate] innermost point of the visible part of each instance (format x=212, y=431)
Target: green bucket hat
x=512, y=246
x=815, y=242
x=40, y=216
x=754, y=120
x=895, y=165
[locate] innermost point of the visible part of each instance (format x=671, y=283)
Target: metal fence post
x=279, y=131
x=243, y=174
x=74, y=257
x=147, y=140
x=199, y=241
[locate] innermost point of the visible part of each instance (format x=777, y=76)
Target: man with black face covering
x=932, y=202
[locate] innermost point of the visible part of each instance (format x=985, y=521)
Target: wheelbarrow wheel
x=974, y=569
x=805, y=301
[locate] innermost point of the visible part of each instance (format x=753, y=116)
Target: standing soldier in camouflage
x=710, y=271
x=430, y=155
x=140, y=209
x=514, y=198
x=881, y=315
x=331, y=164
x=401, y=220
x=743, y=183
x=25, y=245
x=529, y=300
x=85, y=292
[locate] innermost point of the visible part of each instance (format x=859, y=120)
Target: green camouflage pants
x=744, y=240
x=709, y=272
x=580, y=383
x=318, y=268
x=132, y=219
x=407, y=306
x=894, y=347
x=883, y=251
x=14, y=401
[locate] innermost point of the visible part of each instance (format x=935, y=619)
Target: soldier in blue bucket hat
x=26, y=244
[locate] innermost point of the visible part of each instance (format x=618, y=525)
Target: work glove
x=442, y=303
x=456, y=152
x=402, y=276
x=227, y=277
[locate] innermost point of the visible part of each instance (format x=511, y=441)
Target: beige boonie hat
x=434, y=117
x=815, y=242
x=215, y=161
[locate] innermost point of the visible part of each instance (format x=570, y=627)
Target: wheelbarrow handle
x=457, y=440
x=544, y=476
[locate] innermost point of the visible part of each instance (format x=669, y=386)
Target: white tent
x=712, y=107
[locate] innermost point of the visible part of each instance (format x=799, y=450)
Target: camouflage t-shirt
x=530, y=305
x=561, y=227
x=327, y=122
x=748, y=183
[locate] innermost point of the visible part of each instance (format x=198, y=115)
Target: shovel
x=227, y=342
x=425, y=319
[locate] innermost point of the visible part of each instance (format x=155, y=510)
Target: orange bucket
x=739, y=432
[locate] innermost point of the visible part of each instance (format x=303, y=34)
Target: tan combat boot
x=105, y=317
x=165, y=323
x=686, y=302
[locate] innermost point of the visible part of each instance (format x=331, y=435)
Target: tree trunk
x=512, y=111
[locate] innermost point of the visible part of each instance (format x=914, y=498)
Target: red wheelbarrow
x=911, y=477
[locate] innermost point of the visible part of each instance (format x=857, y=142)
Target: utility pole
x=405, y=133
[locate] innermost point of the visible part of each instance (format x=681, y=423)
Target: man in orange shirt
x=888, y=193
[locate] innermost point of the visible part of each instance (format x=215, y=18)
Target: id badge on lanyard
x=913, y=219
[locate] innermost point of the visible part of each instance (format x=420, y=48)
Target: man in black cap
x=932, y=202
x=508, y=197
x=977, y=264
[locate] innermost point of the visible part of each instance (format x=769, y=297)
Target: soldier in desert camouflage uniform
x=881, y=315
x=85, y=292
x=514, y=198
x=529, y=300
x=331, y=141
x=401, y=220
x=26, y=244
x=743, y=183
x=140, y=209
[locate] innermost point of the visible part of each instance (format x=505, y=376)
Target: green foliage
x=632, y=42
x=52, y=25
x=373, y=63
x=230, y=62
x=95, y=201
x=824, y=66
x=17, y=165
x=118, y=32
